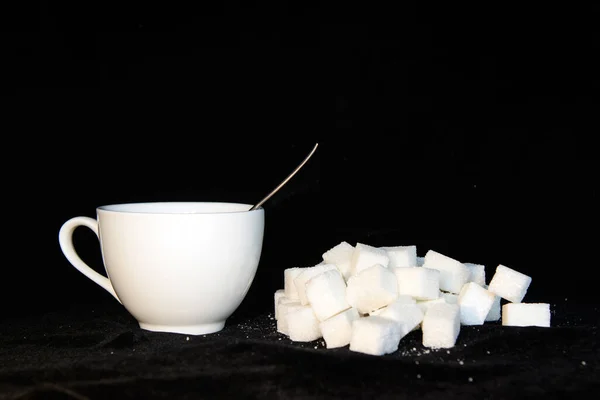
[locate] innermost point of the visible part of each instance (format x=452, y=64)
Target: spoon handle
x=267, y=197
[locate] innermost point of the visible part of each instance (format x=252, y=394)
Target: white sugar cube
x=453, y=273
x=326, y=294
x=409, y=316
x=509, y=284
x=279, y=306
x=278, y=295
x=401, y=299
x=496, y=311
x=341, y=256
x=365, y=256
x=371, y=289
x=302, y=324
x=375, y=335
x=475, y=303
x=420, y=261
x=337, y=330
x=441, y=325
x=476, y=273
x=450, y=298
x=526, y=314
x=289, y=287
x=284, y=306
x=419, y=282
x=425, y=304
x=401, y=256
x=306, y=274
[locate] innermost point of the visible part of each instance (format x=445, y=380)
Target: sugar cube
x=365, y=256
x=476, y=273
x=337, y=330
x=283, y=300
x=526, y=314
x=326, y=294
x=441, y=325
x=306, y=274
x=401, y=256
x=341, y=256
x=372, y=288
x=450, y=298
x=509, y=284
x=425, y=304
x=496, y=310
x=409, y=316
x=419, y=282
x=289, y=287
x=453, y=273
x=401, y=299
x=475, y=303
x=375, y=335
x=278, y=295
x=284, y=306
x=302, y=324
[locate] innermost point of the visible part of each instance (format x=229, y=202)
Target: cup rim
x=150, y=207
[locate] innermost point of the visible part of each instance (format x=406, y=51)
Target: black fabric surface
x=96, y=353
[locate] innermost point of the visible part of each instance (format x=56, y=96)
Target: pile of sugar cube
x=369, y=298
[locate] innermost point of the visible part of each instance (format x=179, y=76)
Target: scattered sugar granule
x=461, y=362
x=583, y=363
x=188, y=338
x=470, y=379
x=418, y=376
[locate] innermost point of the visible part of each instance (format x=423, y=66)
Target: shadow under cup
x=181, y=267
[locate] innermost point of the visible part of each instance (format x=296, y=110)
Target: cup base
x=201, y=329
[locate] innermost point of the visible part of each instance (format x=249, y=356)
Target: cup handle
x=65, y=239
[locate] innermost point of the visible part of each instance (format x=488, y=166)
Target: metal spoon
x=267, y=197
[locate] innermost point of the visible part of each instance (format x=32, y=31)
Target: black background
x=464, y=130
x=467, y=129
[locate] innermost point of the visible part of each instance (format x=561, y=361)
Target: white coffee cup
x=180, y=267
